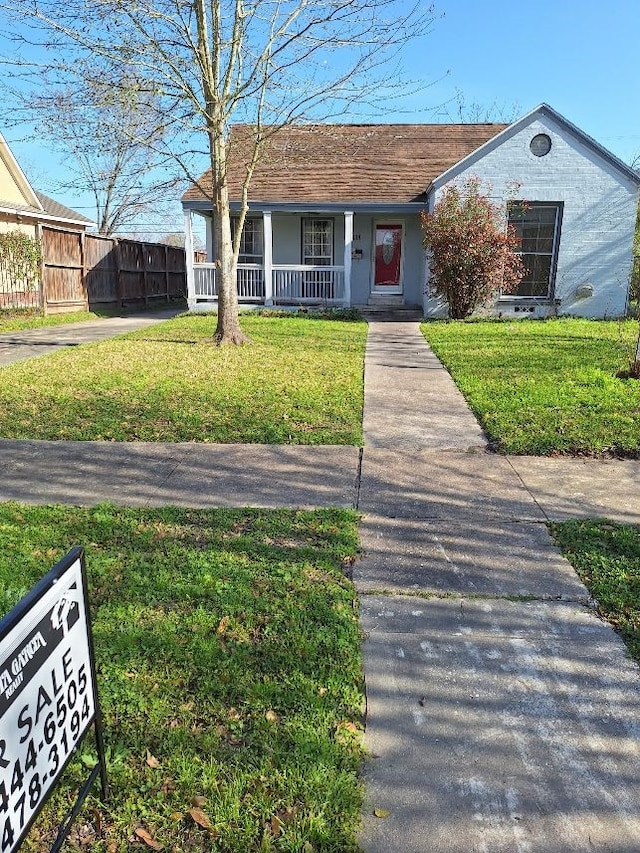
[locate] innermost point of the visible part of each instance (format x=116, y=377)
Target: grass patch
x=606, y=556
x=228, y=649
x=300, y=382
x=19, y=320
x=546, y=387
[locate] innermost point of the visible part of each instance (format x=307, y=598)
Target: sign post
x=48, y=698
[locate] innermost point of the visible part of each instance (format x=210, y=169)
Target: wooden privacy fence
x=82, y=271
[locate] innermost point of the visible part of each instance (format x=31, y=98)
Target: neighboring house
x=333, y=214
x=23, y=208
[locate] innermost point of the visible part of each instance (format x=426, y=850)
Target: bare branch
x=196, y=66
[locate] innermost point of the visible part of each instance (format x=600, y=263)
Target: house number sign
x=48, y=696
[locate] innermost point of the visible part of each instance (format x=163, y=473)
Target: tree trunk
x=228, y=329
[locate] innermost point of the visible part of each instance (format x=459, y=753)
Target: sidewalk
x=502, y=714
x=385, y=483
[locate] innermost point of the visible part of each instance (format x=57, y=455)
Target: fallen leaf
x=288, y=814
x=112, y=847
x=167, y=786
x=276, y=826
x=200, y=818
x=143, y=835
x=198, y=801
x=381, y=812
x=152, y=761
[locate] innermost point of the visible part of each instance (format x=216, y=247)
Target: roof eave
x=508, y=132
x=313, y=206
x=41, y=215
x=17, y=174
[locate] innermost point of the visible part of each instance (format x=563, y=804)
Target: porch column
x=348, y=244
x=188, y=254
x=267, y=240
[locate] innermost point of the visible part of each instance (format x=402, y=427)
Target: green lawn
x=229, y=670
x=300, y=382
x=546, y=387
x=606, y=556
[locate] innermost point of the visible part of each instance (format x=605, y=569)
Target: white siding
x=600, y=206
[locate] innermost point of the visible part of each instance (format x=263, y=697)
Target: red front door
x=388, y=257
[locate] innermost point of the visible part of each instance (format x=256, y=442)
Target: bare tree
x=206, y=63
x=106, y=132
x=461, y=111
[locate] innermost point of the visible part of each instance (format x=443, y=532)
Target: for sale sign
x=48, y=698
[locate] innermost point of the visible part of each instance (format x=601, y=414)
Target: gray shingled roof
x=54, y=208
x=50, y=207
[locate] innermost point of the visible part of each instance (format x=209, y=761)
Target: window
x=537, y=225
x=317, y=251
x=251, y=244
x=540, y=145
x=317, y=242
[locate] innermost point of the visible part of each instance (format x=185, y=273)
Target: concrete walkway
x=18, y=346
x=410, y=402
x=502, y=715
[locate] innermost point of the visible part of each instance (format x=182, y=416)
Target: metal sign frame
x=47, y=665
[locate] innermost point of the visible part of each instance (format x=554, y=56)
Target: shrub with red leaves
x=472, y=251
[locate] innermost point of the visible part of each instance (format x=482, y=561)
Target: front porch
x=267, y=280
x=329, y=257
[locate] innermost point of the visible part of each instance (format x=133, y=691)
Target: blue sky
x=580, y=56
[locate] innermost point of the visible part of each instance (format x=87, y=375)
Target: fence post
x=116, y=254
x=83, y=268
x=166, y=270
x=145, y=279
x=43, y=296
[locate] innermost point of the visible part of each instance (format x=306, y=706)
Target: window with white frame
x=537, y=227
x=251, y=241
x=317, y=242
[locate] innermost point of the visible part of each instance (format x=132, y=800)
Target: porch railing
x=250, y=282
x=301, y=283
x=290, y=284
